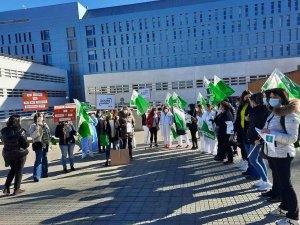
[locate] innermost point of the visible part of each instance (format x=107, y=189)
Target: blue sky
x=18, y=4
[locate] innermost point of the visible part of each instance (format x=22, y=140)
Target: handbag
x=37, y=145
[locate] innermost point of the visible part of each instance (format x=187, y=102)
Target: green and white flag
x=84, y=129
x=176, y=99
x=278, y=80
x=214, y=95
x=174, y=134
x=168, y=100
x=208, y=133
x=141, y=104
x=179, y=117
x=222, y=86
x=201, y=100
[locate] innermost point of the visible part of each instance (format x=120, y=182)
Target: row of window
x=30, y=76
x=23, y=37
x=5, y=114
x=18, y=92
x=197, y=58
x=175, y=85
x=196, y=17
x=179, y=34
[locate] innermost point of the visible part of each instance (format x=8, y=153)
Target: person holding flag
x=180, y=124
x=153, y=125
x=200, y=118
x=166, y=122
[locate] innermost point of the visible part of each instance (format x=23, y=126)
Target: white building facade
x=185, y=81
x=18, y=76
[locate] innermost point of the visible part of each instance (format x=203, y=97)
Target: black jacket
x=258, y=116
x=237, y=124
x=144, y=120
x=59, y=133
x=99, y=127
x=220, y=121
x=15, y=142
x=193, y=127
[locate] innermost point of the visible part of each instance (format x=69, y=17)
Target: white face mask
x=166, y=110
x=125, y=111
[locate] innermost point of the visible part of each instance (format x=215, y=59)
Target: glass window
x=93, y=67
x=70, y=32
x=92, y=55
x=46, y=47
x=90, y=30
x=73, y=56
x=45, y=35
x=72, y=45
x=47, y=59
x=91, y=42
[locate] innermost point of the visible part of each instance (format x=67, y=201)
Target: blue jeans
x=251, y=170
x=67, y=150
x=40, y=168
x=258, y=163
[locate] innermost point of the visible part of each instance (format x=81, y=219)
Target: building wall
x=154, y=35
x=17, y=76
x=186, y=81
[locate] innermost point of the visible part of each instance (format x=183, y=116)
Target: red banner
x=65, y=112
x=35, y=101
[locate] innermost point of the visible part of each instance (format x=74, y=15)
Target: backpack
x=282, y=123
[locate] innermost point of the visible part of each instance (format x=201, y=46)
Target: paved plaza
x=159, y=187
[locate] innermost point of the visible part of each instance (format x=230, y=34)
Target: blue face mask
x=274, y=102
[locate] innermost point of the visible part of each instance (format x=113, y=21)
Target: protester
x=127, y=123
x=65, y=131
x=241, y=125
x=93, y=144
x=153, y=125
x=223, y=136
x=114, y=124
x=145, y=128
x=40, y=134
x=210, y=140
x=257, y=118
x=181, y=132
x=99, y=128
x=200, y=114
x=106, y=137
x=14, y=152
x=283, y=122
x=193, y=127
x=166, y=122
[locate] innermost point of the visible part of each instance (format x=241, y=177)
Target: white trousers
x=166, y=135
x=146, y=135
x=186, y=137
x=202, y=143
x=210, y=146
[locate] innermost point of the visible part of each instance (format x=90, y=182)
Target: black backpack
x=282, y=123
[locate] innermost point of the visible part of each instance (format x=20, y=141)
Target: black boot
x=72, y=168
x=65, y=170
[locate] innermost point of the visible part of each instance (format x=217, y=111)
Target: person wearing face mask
x=283, y=122
x=65, y=131
x=127, y=123
x=153, y=125
x=145, y=128
x=209, y=138
x=40, y=168
x=200, y=113
x=240, y=127
x=166, y=122
x=257, y=118
x=181, y=133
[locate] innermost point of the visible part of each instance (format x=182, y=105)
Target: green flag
x=141, y=104
x=208, y=133
x=278, y=80
x=201, y=100
x=222, y=86
x=174, y=134
x=179, y=119
x=176, y=99
x=214, y=95
x=168, y=100
x=84, y=129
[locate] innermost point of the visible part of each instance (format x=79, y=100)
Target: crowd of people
x=270, y=112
